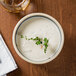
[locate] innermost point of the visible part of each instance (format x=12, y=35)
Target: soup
x=38, y=27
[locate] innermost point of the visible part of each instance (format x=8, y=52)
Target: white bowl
x=31, y=16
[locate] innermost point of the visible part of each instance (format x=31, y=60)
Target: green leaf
x=37, y=38
x=31, y=38
x=45, y=50
x=45, y=44
x=46, y=40
x=38, y=42
x=22, y=36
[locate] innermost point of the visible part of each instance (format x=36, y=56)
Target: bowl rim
x=30, y=15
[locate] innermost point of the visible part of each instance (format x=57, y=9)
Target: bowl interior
x=41, y=26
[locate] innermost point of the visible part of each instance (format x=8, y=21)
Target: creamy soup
x=38, y=27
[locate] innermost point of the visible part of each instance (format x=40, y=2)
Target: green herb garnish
x=45, y=40
x=45, y=44
x=22, y=36
x=37, y=38
x=39, y=41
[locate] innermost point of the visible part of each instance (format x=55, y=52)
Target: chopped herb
x=37, y=38
x=38, y=41
x=44, y=50
x=45, y=44
x=22, y=36
x=31, y=39
x=46, y=40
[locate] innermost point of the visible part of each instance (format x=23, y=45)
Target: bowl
x=40, y=21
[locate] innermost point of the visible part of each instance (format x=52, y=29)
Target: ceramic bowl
x=31, y=16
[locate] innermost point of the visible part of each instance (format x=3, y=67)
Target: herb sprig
x=22, y=36
x=39, y=41
x=45, y=44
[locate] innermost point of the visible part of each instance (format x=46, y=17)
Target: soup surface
x=38, y=27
